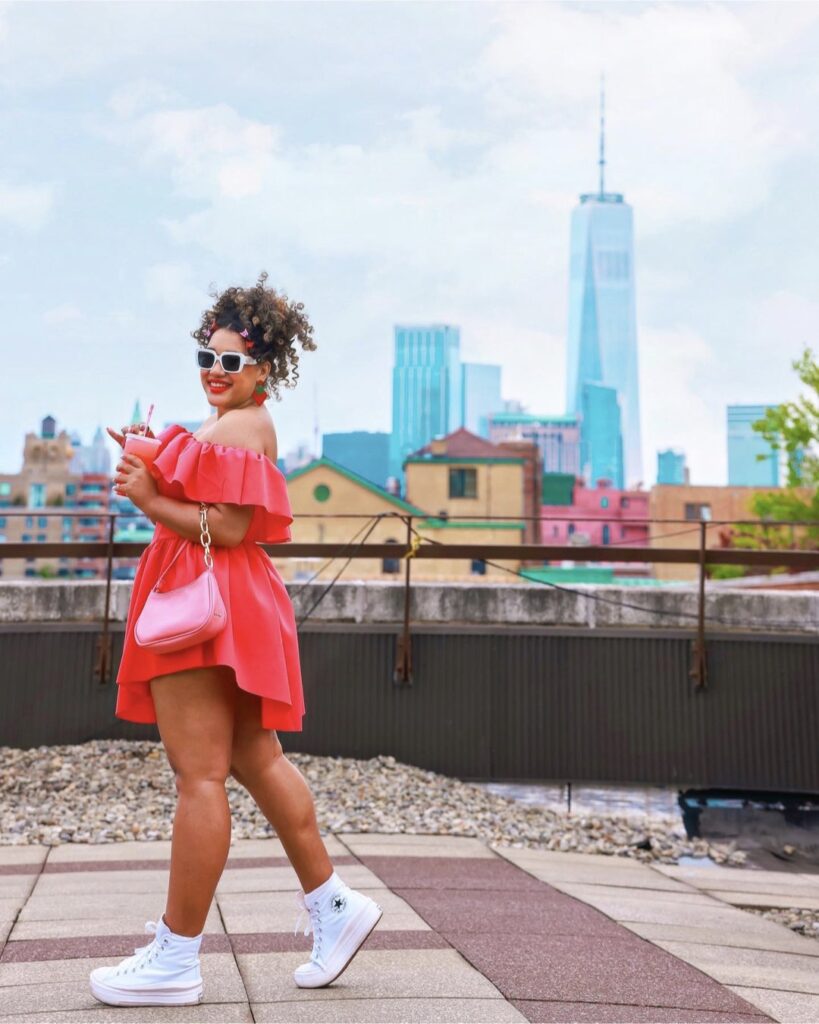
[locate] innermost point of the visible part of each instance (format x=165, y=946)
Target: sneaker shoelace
x=313, y=924
x=142, y=954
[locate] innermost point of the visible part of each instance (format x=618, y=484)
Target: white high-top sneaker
x=340, y=919
x=163, y=973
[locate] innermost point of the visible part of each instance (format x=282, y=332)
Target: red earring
x=260, y=394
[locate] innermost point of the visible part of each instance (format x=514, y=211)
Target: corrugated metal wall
x=504, y=704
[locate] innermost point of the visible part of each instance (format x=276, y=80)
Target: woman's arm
x=228, y=524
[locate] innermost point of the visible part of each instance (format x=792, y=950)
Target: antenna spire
x=602, y=160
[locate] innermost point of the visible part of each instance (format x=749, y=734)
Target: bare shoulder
x=245, y=428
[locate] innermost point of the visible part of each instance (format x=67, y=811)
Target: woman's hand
x=134, y=481
x=133, y=428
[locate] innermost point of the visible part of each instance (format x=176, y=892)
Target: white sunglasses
x=231, y=362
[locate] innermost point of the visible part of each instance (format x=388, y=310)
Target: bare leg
x=195, y=715
x=280, y=790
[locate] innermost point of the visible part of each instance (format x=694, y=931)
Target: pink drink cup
x=144, y=447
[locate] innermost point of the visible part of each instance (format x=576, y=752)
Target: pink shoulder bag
x=171, y=620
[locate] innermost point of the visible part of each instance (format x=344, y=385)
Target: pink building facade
x=598, y=516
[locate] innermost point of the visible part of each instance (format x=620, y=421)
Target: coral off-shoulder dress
x=260, y=642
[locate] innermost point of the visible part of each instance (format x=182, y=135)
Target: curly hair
x=272, y=322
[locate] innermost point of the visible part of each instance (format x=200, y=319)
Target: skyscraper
x=601, y=438
x=745, y=444
x=602, y=319
x=427, y=388
x=481, y=396
x=671, y=467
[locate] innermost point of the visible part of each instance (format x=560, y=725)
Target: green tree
x=792, y=428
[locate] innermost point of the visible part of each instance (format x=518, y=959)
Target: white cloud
x=26, y=206
x=138, y=96
x=173, y=285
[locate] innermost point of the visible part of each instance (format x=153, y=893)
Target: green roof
x=531, y=417
x=432, y=522
x=462, y=458
x=405, y=506
x=557, y=489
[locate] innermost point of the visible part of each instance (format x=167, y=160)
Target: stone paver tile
x=273, y=848
x=16, y=886
x=496, y=875
x=220, y=975
x=285, y=879
x=716, y=877
x=126, y=923
x=715, y=915
x=643, y=896
x=751, y=967
x=9, y=905
x=790, y=1007
x=758, y=899
x=602, y=1013
x=602, y=871
x=755, y=934
x=373, y=974
x=96, y=882
x=388, y=1011
x=84, y=906
x=33, y=854
x=415, y=845
x=589, y=969
x=277, y=912
x=790, y=885
x=132, y=850
x=204, y=1013
x=569, y=857
x=518, y=913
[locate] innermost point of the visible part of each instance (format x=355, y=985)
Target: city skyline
x=132, y=182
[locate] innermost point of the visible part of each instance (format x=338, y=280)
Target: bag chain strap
x=204, y=538
x=204, y=533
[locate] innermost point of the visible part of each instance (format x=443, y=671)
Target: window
x=41, y=538
x=478, y=567
x=463, y=483
x=26, y=538
x=606, y=533
x=67, y=520
x=70, y=488
x=622, y=532
x=624, y=503
x=696, y=512
x=321, y=492
x=604, y=503
x=66, y=538
x=2, y=521
x=5, y=487
x=89, y=522
x=391, y=565
x=36, y=495
x=42, y=522
x=571, y=529
x=29, y=521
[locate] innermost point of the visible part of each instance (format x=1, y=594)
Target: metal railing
x=418, y=546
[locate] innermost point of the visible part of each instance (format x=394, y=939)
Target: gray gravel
x=804, y=922
x=107, y=791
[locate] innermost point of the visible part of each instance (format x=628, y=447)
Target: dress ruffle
x=260, y=641
x=194, y=470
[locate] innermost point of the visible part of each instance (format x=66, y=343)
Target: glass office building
x=427, y=388
x=671, y=468
x=481, y=396
x=601, y=438
x=745, y=469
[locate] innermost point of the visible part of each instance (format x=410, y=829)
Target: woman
x=218, y=703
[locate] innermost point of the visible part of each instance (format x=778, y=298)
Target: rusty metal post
x=104, y=640
x=699, y=667
x=402, y=676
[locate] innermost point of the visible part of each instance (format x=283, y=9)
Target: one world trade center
x=602, y=350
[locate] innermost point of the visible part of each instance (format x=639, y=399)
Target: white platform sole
x=350, y=941
x=172, y=995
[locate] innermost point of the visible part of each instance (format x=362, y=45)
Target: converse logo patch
x=338, y=903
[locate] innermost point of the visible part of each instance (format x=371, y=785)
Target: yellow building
x=332, y=504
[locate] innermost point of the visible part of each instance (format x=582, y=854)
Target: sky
x=402, y=162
